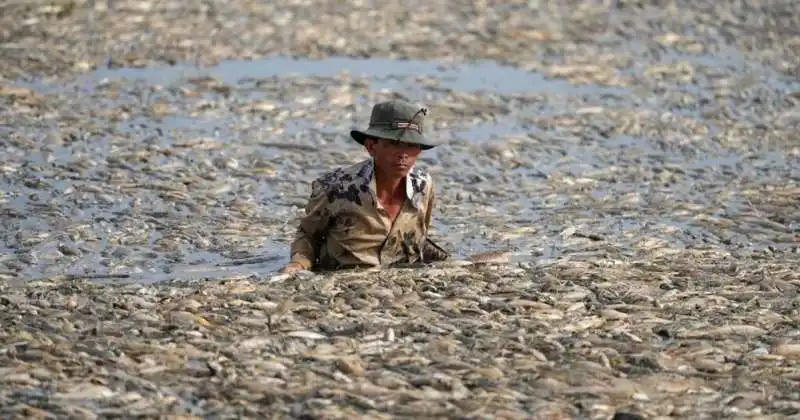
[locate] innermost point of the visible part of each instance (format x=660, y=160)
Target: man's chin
x=401, y=171
x=398, y=169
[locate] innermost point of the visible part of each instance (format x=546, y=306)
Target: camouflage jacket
x=345, y=226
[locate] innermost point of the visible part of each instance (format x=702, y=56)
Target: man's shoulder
x=343, y=176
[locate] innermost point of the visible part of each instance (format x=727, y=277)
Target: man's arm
x=308, y=239
x=431, y=251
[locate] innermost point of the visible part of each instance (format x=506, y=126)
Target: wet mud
x=635, y=164
x=148, y=172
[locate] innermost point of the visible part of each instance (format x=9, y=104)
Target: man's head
x=392, y=157
x=396, y=120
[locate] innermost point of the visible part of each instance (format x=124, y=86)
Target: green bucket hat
x=396, y=120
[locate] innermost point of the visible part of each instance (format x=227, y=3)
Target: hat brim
x=399, y=135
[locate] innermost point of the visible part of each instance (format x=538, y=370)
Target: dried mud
x=636, y=163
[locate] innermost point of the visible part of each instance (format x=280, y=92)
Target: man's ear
x=370, y=144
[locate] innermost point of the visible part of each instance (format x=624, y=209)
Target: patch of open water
x=387, y=74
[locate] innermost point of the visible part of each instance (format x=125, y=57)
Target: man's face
x=392, y=157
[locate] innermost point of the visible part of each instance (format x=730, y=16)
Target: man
x=378, y=211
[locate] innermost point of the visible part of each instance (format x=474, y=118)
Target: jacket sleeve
x=312, y=228
x=431, y=251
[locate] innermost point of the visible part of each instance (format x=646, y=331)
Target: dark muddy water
x=534, y=164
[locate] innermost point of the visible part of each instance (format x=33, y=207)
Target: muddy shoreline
x=639, y=161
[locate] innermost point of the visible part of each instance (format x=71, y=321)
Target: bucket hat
x=396, y=120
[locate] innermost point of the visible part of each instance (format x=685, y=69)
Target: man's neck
x=389, y=188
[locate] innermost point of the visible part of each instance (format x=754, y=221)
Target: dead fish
x=311, y=335
x=491, y=257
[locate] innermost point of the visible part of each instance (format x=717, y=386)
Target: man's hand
x=432, y=252
x=292, y=268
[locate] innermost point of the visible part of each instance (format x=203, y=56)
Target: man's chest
x=392, y=209
x=373, y=216
x=371, y=224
